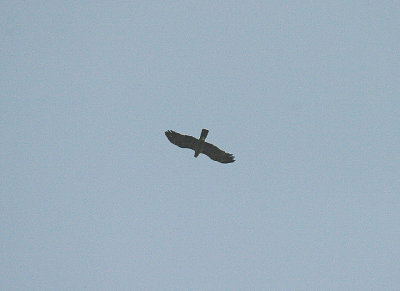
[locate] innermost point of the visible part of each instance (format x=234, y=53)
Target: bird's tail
x=203, y=135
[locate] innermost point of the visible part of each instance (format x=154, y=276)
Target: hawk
x=200, y=146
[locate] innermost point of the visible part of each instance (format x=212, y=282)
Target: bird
x=200, y=146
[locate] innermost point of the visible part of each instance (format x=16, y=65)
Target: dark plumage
x=199, y=146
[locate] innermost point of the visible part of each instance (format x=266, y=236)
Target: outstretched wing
x=182, y=141
x=217, y=154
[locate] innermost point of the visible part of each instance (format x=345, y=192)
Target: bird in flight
x=200, y=146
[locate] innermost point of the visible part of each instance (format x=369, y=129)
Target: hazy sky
x=305, y=94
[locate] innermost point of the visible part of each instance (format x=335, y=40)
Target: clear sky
x=305, y=94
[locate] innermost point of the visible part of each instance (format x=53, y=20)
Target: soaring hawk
x=199, y=146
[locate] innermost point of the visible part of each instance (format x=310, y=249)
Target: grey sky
x=305, y=94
